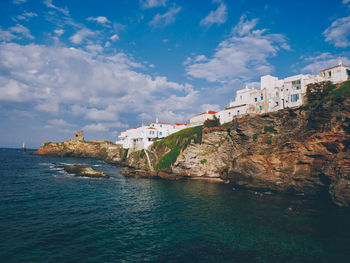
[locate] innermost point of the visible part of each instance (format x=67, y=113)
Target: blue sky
x=104, y=66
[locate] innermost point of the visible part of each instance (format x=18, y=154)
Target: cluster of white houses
x=274, y=94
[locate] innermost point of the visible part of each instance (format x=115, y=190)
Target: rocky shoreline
x=304, y=151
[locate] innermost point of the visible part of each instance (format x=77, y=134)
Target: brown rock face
x=83, y=170
x=208, y=159
x=103, y=150
x=304, y=150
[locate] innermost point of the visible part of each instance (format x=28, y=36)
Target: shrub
x=262, y=152
x=142, y=153
x=212, y=122
x=339, y=117
x=256, y=135
x=203, y=161
x=269, y=129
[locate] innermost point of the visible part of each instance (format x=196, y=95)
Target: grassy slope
x=177, y=142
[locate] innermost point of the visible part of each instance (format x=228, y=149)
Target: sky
x=105, y=66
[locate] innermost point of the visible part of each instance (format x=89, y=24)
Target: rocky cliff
x=103, y=150
x=300, y=151
x=303, y=151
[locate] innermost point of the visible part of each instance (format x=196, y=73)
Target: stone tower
x=78, y=136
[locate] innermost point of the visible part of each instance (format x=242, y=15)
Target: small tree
x=212, y=122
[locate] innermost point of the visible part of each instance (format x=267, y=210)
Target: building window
x=238, y=112
x=160, y=133
x=330, y=73
x=294, y=97
x=152, y=125
x=161, y=125
x=260, y=108
x=262, y=97
x=255, y=99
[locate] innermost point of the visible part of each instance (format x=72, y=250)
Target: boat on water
x=23, y=147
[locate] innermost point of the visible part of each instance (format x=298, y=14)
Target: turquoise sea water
x=47, y=216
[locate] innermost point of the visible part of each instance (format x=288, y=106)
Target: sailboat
x=23, y=147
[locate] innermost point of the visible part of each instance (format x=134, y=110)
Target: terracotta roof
x=207, y=112
x=166, y=123
x=151, y=128
x=334, y=67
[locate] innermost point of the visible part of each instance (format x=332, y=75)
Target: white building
x=337, y=73
x=200, y=118
x=139, y=138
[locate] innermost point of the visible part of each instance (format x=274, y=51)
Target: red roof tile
x=207, y=112
x=333, y=67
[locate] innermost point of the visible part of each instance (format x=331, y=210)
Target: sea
x=49, y=216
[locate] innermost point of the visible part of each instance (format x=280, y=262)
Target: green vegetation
x=262, y=152
x=338, y=94
x=339, y=117
x=330, y=92
x=266, y=130
x=256, y=135
x=142, y=153
x=269, y=129
x=203, y=161
x=125, y=154
x=226, y=125
x=269, y=141
x=212, y=122
x=178, y=142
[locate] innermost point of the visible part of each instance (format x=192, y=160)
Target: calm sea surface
x=47, y=216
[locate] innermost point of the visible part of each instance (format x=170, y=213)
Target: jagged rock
x=83, y=170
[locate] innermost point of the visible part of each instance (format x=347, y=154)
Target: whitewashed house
x=337, y=73
x=139, y=138
x=200, y=118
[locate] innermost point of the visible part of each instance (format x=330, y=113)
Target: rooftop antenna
x=157, y=120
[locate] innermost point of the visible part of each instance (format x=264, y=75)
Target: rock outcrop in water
x=78, y=147
x=301, y=151
x=82, y=170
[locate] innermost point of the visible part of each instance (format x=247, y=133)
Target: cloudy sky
x=104, y=66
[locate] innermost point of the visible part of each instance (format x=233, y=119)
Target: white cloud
x=78, y=37
x=21, y=30
x=162, y=20
x=12, y=90
x=49, y=4
x=115, y=37
x=206, y=107
x=26, y=15
x=100, y=19
x=83, y=85
x=345, y=2
x=58, y=123
x=6, y=35
x=18, y=2
x=152, y=3
x=243, y=55
x=100, y=127
x=219, y=16
x=59, y=32
x=109, y=114
x=323, y=61
x=338, y=33
x=94, y=48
